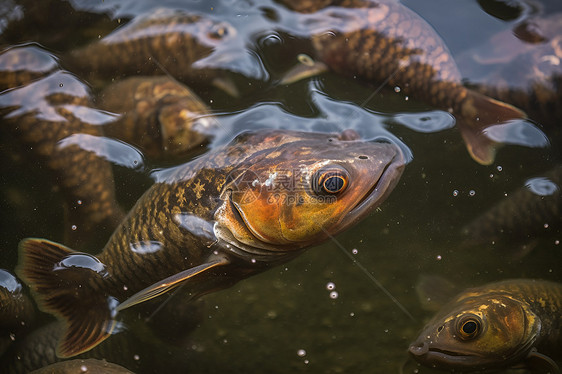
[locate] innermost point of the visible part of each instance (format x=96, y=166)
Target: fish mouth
x=384, y=185
x=443, y=358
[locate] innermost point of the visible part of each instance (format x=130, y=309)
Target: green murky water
x=319, y=313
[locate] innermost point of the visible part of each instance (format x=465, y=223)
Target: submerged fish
x=52, y=115
x=84, y=366
x=496, y=326
x=165, y=41
x=159, y=115
x=524, y=216
x=234, y=212
x=384, y=42
x=16, y=310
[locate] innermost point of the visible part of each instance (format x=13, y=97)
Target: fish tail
x=67, y=288
x=477, y=113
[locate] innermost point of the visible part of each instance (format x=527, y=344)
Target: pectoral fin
x=306, y=68
x=168, y=284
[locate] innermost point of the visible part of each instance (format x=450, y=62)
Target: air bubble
x=334, y=295
x=73, y=227
x=136, y=357
x=396, y=89
x=471, y=193
x=455, y=192
x=499, y=168
x=354, y=251
x=79, y=202
x=439, y=258
x=301, y=353
x=330, y=286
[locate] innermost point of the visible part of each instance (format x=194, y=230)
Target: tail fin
x=67, y=284
x=479, y=112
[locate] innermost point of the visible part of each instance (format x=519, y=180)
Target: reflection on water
x=319, y=313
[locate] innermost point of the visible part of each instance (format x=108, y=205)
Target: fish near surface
x=234, y=212
x=50, y=111
x=523, y=67
x=385, y=42
x=496, y=326
x=164, y=41
x=159, y=115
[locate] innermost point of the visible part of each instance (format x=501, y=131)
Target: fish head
x=305, y=188
x=479, y=333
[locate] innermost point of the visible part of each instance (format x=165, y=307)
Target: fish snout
x=419, y=348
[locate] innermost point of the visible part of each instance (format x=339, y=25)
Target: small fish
x=52, y=115
x=497, y=326
x=159, y=115
x=524, y=216
x=234, y=212
x=165, y=41
x=385, y=42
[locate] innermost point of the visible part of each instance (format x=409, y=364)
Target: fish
x=385, y=42
x=527, y=214
x=16, y=309
x=17, y=312
x=79, y=366
x=522, y=66
x=238, y=210
x=510, y=323
x=52, y=115
x=158, y=115
x=163, y=41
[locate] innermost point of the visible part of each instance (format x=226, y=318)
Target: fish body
x=499, y=325
x=385, y=42
x=522, y=67
x=526, y=214
x=165, y=41
x=159, y=115
x=236, y=211
x=51, y=113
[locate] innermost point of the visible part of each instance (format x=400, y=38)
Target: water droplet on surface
x=438, y=257
x=301, y=353
x=136, y=357
x=79, y=202
x=83, y=368
x=396, y=89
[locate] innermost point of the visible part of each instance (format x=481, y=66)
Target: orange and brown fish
x=500, y=325
x=234, y=212
x=382, y=41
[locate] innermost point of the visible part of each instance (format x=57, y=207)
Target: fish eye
x=330, y=180
x=469, y=327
